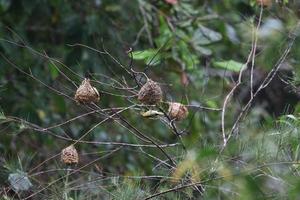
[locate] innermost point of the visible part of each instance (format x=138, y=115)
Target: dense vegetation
x=233, y=66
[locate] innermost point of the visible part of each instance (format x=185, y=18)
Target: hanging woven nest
x=177, y=111
x=150, y=93
x=264, y=2
x=69, y=155
x=86, y=93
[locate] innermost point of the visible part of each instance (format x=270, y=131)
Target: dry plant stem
x=118, y=122
x=35, y=127
x=157, y=159
x=83, y=115
x=173, y=127
x=156, y=54
x=203, y=108
x=139, y=135
x=255, y=38
x=58, y=92
x=112, y=82
x=144, y=137
x=131, y=72
x=88, y=172
x=23, y=45
x=33, y=77
x=152, y=141
x=40, y=164
x=229, y=95
x=73, y=172
x=135, y=72
x=138, y=36
x=146, y=25
x=101, y=52
x=102, y=121
x=171, y=124
x=66, y=189
x=52, y=61
x=45, y=130
x=154, y=177
x=57, y=68
x=175, y=189
x=265, y=83
x=71, y=120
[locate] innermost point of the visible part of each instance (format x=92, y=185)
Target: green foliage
x=129, y=190
x=149, y=56
x=48, y=47
x=230, y=65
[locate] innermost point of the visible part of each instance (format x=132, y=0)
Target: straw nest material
x=150, y=93
x=86, y=93
x=177, y=111
x=69, y=155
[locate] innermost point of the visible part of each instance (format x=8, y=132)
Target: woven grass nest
x=177, y=111
x=86, y=93
x=264, y=2
x=69, y=155
x=150, y=93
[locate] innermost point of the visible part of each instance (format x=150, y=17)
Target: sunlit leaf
x=230, y=65
x=149, y=56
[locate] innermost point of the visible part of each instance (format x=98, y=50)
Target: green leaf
x=211, y=104
x=112, y=8
x=4, y=5
x=165, y=34
x=59, y=104
x=53, y=71
x=2, y=116
x=149, y=56
x=203, y=50
x=230, y=65
x=205, y=36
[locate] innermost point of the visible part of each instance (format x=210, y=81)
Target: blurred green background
x=194, y=49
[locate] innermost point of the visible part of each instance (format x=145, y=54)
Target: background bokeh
x=194, y=50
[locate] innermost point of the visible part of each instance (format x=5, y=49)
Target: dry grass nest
x=69, y=155
x=86, y=93
x=177, y=111
x=150, y=93
x=264, y=2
